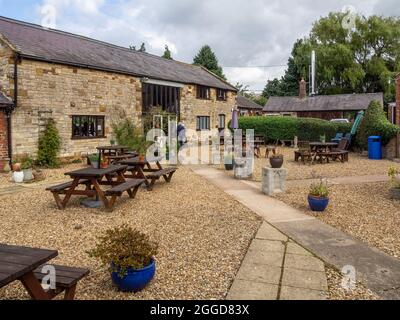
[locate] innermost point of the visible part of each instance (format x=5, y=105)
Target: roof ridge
x=86, y=38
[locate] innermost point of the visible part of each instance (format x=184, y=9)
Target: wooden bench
x=64, y=187
x=343, y=156
x=67, y=279
x=166, y=173
x=130, y=186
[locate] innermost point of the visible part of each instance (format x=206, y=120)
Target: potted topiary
x=229, y=162
x=129, y=256
x=394, y=175
x=94, y=160
x=318, y=197
x=276, y=161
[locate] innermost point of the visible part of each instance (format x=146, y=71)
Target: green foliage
x=319, y=189
x=207, y=58
x=24, y=160
x=394, y=175
x=123, y=248
x=286, y=128
x=141, y=49
x=167, y=53
x=93, y=158
x=357, y=61
x=128, y=135
x=375, y=123
x=49, y=146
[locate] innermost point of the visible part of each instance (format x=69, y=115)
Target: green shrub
x=286, y=128
x=375, y=123
x=49, y=146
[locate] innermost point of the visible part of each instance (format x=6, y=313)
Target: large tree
x=365, y=59
x=207, y=58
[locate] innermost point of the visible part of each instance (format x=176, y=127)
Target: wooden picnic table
x=142, y=169
x=93, y=178
x=112, y=150
x=323, y=146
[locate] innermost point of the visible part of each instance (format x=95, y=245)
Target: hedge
x=375, y=123
x=286, y=128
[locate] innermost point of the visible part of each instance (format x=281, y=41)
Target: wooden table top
x=323, y=144
x=112, y=148
x=96, y=173
x=17, y=261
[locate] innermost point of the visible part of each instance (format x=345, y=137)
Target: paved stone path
x=341, y=180
x=275, y=268
x=379, y=271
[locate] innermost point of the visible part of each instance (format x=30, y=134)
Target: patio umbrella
x=235, y=119
x=357, y=123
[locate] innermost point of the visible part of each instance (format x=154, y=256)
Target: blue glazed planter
x=318, y=204
x=135, y=280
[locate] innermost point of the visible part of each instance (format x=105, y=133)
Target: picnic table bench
x=94, y=178
x=141, y=169
x=26, y=265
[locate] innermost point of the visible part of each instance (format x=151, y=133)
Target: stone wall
x=398, y=100
x=59, y=92
x=3, y=140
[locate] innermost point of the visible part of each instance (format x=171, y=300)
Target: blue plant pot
x=318, y=204
x=135, y=280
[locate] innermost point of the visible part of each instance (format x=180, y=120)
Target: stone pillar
x=273, y=181
x=244, y=168
x=3, y=140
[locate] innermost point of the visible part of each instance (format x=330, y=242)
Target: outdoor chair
x=338, y=137
x=304, y=153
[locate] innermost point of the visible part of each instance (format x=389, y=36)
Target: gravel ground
x=365, y=211
x=357, y=166
x=337, y=292
x=203, y=236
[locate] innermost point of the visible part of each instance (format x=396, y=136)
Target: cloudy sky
x=243, y=33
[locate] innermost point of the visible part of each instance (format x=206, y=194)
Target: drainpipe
x=9, y=111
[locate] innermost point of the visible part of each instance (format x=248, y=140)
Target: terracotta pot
x=276, y=162
x=142, y=158
x=16, y=167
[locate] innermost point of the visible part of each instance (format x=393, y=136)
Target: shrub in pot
x=129, y=256
x=27, y=168
x=318, y=198
x=394, y=175
x=94, y=160
x=276, y=161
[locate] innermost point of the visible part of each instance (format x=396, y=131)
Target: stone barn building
x=84, y=84
x=327, y=107
x=248, y=107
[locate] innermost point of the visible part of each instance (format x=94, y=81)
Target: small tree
x=167, y=53
x=207, y=58
x=375, y=123
x=49, y=146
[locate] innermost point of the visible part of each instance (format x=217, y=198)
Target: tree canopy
x=167, y=53
x=361, y=60
x=207, y=58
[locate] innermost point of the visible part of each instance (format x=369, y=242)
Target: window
x=87, y=127
x=166, y=97
x=221, y=121
x=222, y=95
x=203, y=92
x=203, y=123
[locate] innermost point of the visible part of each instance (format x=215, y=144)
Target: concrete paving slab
x=268, y=232
x=259, y=273
x=379, y=271
x=305, y=279
x=300, y=294
x=266, y=246
x=250, y=290
x=294, y=248
x=267, y=258
x=304, y=262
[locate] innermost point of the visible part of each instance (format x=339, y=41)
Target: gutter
x=10, y=109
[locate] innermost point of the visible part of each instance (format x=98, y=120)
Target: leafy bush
x=375, y=123
x=286, y=128
x=123, y=248
x=394, y=175
x=49, y=146
x=319, y=189
x=128, y=135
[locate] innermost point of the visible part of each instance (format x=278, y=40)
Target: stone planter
x=395, y=193
x=18, y=176
x=28, y=174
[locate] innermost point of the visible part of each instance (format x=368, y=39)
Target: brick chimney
x=398, y=100
x=302, y=89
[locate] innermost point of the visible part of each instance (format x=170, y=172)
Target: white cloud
x=242, y=33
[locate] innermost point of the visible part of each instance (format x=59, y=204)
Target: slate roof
x=35, y=42
x=339, y=102
x=4, y=101
x=245, y=103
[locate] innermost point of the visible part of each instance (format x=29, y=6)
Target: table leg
x=70, y=192
x=100, y=193
x=34, y=288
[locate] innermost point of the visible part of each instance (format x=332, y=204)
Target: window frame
x=89, y=118
x=220, y=116
x=224, y=95
x=200, y=90
x=198, y=123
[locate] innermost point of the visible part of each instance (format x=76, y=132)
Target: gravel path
x=203, y=234
x=365, y=211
